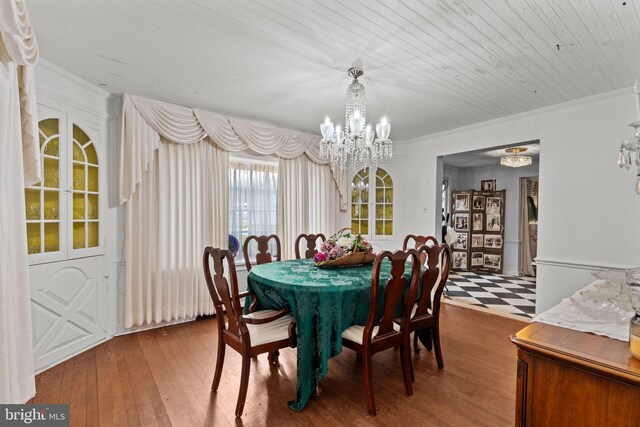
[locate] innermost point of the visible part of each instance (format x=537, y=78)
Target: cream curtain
x=170, y=219
x=307, y=201
x=20, y=158
x=293, y=203
x=144, y=120
x=161, y=282
x=324, y=200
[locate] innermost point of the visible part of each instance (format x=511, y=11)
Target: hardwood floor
x=163, y=377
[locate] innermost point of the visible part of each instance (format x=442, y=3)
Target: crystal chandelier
x=632, y=145
x=515, y=160
x=357, y=141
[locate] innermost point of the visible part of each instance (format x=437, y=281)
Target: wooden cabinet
x=571, y=378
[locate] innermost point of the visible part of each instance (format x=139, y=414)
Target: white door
x=66, y=312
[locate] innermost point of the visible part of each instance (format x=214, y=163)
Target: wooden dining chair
x=426, y=312
x=380, y=331
x=312, y=242
x=263, y=256
x=248, y=334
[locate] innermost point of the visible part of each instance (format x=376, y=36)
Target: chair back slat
x=434, y=277
x=263, y=256
x=223, y=293
x=395, y=290
x=312, y=240
x=419, y=241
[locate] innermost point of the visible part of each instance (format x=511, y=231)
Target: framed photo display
x=461, y=202
x=460, y=260
x=488, y=185
x=478, y=217
x=477, y=259
x=461, y=242
x=461, y=221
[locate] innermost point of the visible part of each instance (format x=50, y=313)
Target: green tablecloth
x=324, y=302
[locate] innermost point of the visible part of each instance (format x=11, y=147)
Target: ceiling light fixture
x=357, y=141
x=632, y=145
x=515, y=160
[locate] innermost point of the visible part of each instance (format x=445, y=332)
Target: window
x=63, y=210
x=376, y=211
x=252, y=204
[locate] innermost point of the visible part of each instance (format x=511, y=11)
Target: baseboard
x=581, y=265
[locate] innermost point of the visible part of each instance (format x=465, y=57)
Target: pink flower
x=336, y=252
x=320, y=256
x=327, y=246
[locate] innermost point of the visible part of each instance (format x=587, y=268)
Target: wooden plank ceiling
x=429, y=65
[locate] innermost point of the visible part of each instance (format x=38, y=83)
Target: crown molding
x=531, y=113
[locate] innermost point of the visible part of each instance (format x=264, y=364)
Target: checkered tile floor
x=508, y=294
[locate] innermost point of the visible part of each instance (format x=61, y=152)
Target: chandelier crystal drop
x=356, y=145
x=632, y=145
x=515, y=160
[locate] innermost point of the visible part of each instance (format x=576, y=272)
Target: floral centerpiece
x=344, y=248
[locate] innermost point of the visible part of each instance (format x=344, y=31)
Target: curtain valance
x=145, y=121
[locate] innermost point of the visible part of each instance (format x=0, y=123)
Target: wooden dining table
x=324, y=302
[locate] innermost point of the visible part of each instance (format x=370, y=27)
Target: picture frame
x=477, y=241
x=494, y=205
x=477, y=259
x=488, y=185
x=478, y=221
x=461, y=242
x=460, y=260
x=492, y=261
x=461, y=221
x=478, y=203
x=493, y=241
x=461, y=202
x=493, y=223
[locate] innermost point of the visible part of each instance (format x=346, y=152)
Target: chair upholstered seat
x=354, y=333
x=276, y=330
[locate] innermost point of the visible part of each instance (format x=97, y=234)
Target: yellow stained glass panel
x=92, y=156
x=51, y=173
x=78, y=206
x=355, y=224
x=78, y=235
x=33, y=238
x=379, y=227
x=92, y=178
x=389, y=195
x=32, y=203
x=52, y=148
x=79, y=135
x=51, y=237
x=93, y=234
x=49, y=127
x=388, y=211
x=379, y=211
x=364, y=227
x=364, y=211
x=388, y=228
x=78, y=176
x=92, y=206
x=78, y=154
x=51, y=204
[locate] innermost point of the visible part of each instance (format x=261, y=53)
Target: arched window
x=384, y=203
x=63, y=210
x=86, y=232
x=376, y=210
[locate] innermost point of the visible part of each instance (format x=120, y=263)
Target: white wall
x=588, y=207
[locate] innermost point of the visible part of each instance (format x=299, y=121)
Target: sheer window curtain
x=170, y=219
x=252, y=201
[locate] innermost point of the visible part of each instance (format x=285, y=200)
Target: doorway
x=490, y=212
